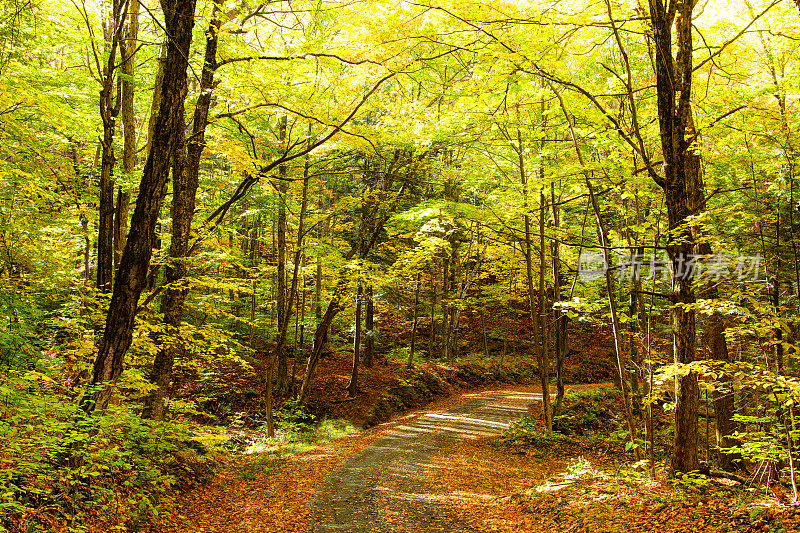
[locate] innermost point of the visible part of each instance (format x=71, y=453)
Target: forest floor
x=572, y=487
x=298, y=493
x=441, y=469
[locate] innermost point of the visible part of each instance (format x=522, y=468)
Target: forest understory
x=582, y=478
x=241, y=241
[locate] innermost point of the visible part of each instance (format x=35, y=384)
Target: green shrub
x=589, y=411
x=57, y=462
x=293, y=417
x=586, y=413
x=527, y=433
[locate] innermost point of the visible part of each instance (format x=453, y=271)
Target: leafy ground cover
x=574, y=487
x=261, y=491
x=585, y=482
x=201, y=473
x=63, y=471
x=249, y=494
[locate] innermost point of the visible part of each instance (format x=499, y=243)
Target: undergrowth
x=63, y=471
x=296, y=433
x=590, y=414
x=589, y=411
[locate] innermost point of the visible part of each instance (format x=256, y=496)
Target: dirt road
x=384, y=488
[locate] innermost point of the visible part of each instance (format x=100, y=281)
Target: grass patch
x=291, y=440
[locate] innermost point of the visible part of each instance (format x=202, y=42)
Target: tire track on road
x=384, y=488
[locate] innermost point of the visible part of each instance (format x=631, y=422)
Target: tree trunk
x=284, y=309
x=87, y=248
x=561, y=319
x=484, y=337
x=539, y=329
x=253, y=306
x=414, y=321
x=155, y=103
x=451, y=342
x=269, y=393
x=109, y=109
x=445, y=306
x=432, y=336
x=286, y=302
x=369, y=323
x=117, y=336
x=776, y=293
x=673, y=88
x=121, y=222
x=352, y=388
x=185, y=176
x=317, y=299
x=543, y=357
x=168, y=342
x=714, y=331
x=298, y=250
x=128, y=49
x=318, y=287
x=321, y=337
x=723, y=397
x=637, y=356
x=790, y=154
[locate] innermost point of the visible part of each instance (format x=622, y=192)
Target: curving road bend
x=384, y=488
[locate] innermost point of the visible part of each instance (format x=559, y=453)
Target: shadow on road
x=384, y=488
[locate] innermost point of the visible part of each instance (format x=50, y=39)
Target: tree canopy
x=193, y=192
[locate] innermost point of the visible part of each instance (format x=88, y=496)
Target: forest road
x=386, y=487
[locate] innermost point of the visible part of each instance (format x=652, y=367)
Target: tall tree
x=674, y=102
x=128, y=49
x=110, y=102
x=131, y=279
x=561, y=318
x=352, y=387
x=714, y=331
x=185, y=180
x=369, y=325
x=284, y=307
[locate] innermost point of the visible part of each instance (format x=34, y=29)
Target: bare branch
x=307, y=55
x=735, y=37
